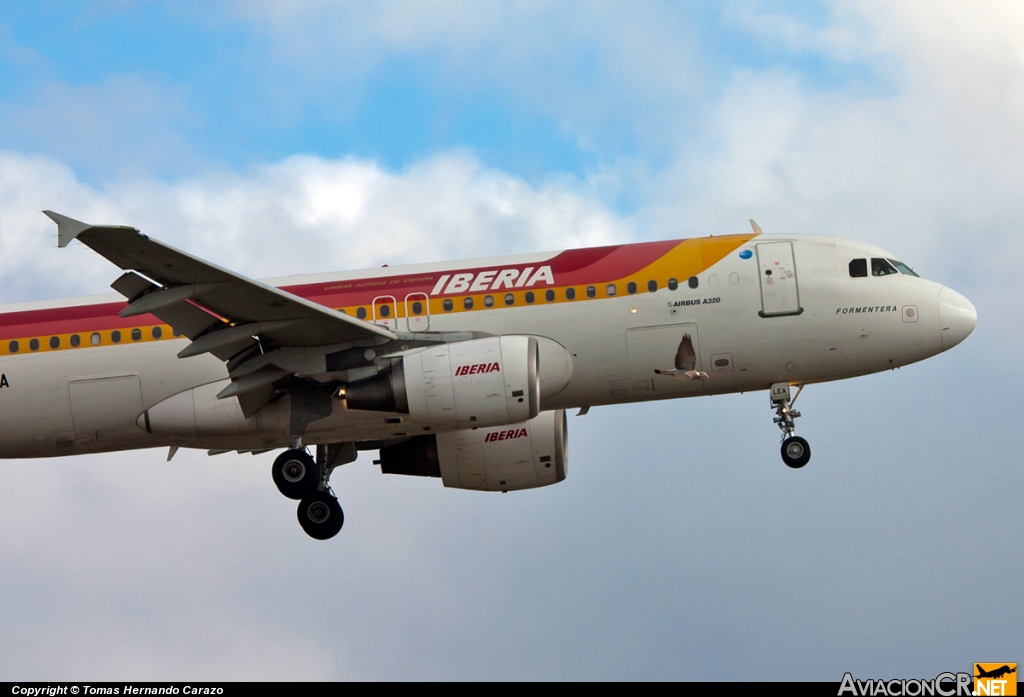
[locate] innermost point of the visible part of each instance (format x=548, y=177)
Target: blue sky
x=228, y=90
x=307, y=136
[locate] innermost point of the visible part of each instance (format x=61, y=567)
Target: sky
x=307, y=136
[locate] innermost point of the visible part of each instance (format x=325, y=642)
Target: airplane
x=462, y=371
x=995, y=673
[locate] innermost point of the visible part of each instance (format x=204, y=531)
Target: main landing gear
x=795, y=451
x=298, y=476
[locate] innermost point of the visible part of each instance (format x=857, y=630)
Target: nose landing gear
x=795, y=451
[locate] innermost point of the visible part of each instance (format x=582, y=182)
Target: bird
x=686, y=362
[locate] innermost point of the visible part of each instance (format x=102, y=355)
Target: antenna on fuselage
x=756, y=227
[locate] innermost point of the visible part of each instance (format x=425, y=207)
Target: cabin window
x=881, y=267
x=54, y=342
x=549, y=295
x=157, y=333
x=591, y=291
x=673, y=284
x=467, y=303
x=75, y=340
x=385, y=310
x=611, y=289
x=652, y=286
x=136, y=335
x=94, y=338
x=417, y=308
x=630, y=287
x=510, y=299
x=34, y=344
x=570, y=293
x=361, y=313
x=447, y=305
x=115, y=336
x=693, y=282
x=488, y=301
x=529, y=296
x=903, y=268
x=13, y=347
x=734, y=278
x=859, y=268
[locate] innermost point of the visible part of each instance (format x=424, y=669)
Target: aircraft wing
x=222, y=312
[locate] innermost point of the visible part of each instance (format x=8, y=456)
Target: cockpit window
x=859, y=268
x=903, y=268
x=881, y=267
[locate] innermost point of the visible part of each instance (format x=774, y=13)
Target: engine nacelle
x=482, y=382
x=505, y=458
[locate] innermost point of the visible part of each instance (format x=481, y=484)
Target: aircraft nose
x=957, y=317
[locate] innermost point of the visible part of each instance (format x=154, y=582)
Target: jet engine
x=482, y=382
x=504, y=458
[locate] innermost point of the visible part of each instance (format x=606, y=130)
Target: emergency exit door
x=384, y=312
x=417, y=312
x=780, y=294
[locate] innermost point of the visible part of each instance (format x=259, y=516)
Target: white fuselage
x=90, y=398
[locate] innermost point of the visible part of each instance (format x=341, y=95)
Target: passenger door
x=779, y=292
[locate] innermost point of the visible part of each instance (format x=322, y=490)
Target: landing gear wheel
x=320, y=515
x=295, y=474
x=796, y=452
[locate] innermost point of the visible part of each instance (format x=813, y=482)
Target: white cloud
x=301, y=215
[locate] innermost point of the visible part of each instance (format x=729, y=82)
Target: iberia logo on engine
x=506, y=435
x=477, y=368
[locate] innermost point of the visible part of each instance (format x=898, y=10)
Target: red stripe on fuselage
x=68, y=320
x=571, y=267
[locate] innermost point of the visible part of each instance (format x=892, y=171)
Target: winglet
x=755, y=227
x=67, y=228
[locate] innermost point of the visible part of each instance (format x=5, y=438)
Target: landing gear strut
x=795, y=451
x=300, y=477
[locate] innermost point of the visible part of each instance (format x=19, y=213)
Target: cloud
x=301, y=215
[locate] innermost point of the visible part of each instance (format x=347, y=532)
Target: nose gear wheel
x=795, y=450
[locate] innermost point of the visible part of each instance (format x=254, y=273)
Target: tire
x=295, y=474
x=796, y=452
x=320, y=515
